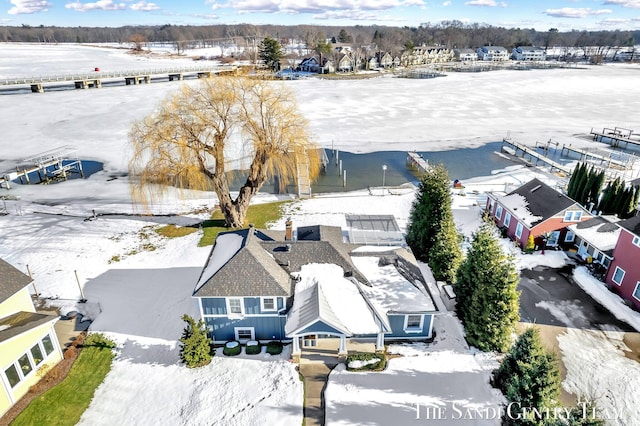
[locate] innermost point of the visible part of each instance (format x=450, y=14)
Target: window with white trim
x=12, y=375
x=618, y=275
x=519, y=228
x=499, y=212
x=234, y=305
x=572, y=216
x=636, y=241
x=413, y=323
x=569, y=237
x=507, y=219
x=636, y=292
x=268, y=304
x=244, y=333
x=26, y=364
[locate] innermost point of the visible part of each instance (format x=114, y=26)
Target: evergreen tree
x=445, y=256
x=430, y=210
x=605, y=199
x=486, y=292
x=271, y=53
x=195, y=350
x=581, y=180
x=572, y=181
x=583, y=196
x=529, y=374
x=596, y=188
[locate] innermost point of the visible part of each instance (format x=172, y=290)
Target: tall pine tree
x=487, y=299
x=431, y=233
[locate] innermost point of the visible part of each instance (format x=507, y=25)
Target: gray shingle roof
x=603, y=224
x=632, y=225
x=543, y=200
x=250, y=272
x=11, y=280
x=21, y=322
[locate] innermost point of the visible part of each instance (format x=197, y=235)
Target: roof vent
x=535, y=188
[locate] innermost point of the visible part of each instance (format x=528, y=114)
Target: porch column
x=343, y=345
x=296, y=346
x=380, y=342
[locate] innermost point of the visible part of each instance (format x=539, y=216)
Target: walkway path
x=316, y=374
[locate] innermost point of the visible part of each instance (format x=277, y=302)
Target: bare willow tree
x=186, y=142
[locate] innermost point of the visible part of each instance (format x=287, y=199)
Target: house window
x=243, y=334
x=618, y=275
x=572, y=216
x=234, y=305
x=519, y=230
x=12, y=375
x=309, y=341
x=606, y=262
x=636, y=292
x=413, y=323
x=36, y=354
x=552, y=241
x=636, y=241
x=47, y=344
x=25, y=364
x=507, y=219
x=499, y=212
x=569, y=237
x=268, y=304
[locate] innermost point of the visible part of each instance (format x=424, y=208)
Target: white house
x=492, y=53
x=528, y=53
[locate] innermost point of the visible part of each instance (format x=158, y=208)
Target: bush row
x=233, y=348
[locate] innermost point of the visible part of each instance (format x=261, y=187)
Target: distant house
x=372, y=63
x=624, y=272
x=344, y=62
x=312, y=284
x=312, y=64
x=28, y=342
x=492, y=53
x=536, y=209
x=465, y=55
x=595, y=238
x=384, y=59
x=528, y=53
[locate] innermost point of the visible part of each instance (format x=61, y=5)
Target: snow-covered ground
x=139, y=295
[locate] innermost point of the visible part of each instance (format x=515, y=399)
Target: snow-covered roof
x=390, y=291
x=599, y=231
x=324, y=294
x=518, y=206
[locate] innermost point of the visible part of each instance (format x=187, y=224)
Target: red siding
x=626, y=256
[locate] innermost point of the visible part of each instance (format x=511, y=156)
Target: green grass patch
x=172, y=231
x=368, y=358
x=258, y=214
x=65, y=403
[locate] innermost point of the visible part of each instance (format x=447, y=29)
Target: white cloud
x=355, y=15
x=486, y=3
x=575, y=12
x=28, y=6
x=99, y=5
x=635, y=4
x=143, y=6
x=313, y=6
x=446, y=3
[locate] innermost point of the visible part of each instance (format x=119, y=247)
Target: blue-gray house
x=274, y=285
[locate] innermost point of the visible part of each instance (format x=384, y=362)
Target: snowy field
x=138, y=296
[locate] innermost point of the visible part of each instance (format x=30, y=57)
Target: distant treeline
x=453, y=34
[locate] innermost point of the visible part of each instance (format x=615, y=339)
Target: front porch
x=329, y=349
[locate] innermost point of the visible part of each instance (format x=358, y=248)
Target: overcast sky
x=538, y=14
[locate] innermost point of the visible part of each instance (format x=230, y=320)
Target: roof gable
x=542, y=200
x=632, y=225
x=11, y=280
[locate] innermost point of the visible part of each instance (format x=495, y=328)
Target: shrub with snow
x=366, y=362
x=232, y=348
x=274, y=348
x=253, y=347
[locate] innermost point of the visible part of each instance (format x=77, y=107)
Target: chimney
x=288, y=233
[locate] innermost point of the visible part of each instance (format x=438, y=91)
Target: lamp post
x=384, y=172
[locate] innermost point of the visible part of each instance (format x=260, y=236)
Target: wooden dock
x=623, y=161
x=417, y=162
x=616, y=136
x=533, y=155
x=51, y=165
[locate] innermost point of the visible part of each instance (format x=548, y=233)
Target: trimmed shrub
x=274, y=348
x=366, y=362
x=252, y=348
x=232, y=348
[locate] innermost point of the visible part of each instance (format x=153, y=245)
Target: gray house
x=311, y=284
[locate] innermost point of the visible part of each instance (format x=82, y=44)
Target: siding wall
x=252, y=306
x=397, y=328
x=266, y=327
x=21, y=301
x=626, y=256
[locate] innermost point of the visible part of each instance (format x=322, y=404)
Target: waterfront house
x=317, y=282
x=28, y=343
x=492, y=53
x=536, y=209
x=623, y=275
x=528, y=53
x=595, y=239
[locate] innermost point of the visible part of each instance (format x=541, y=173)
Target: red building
x=536, y=209
x=624, y=272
